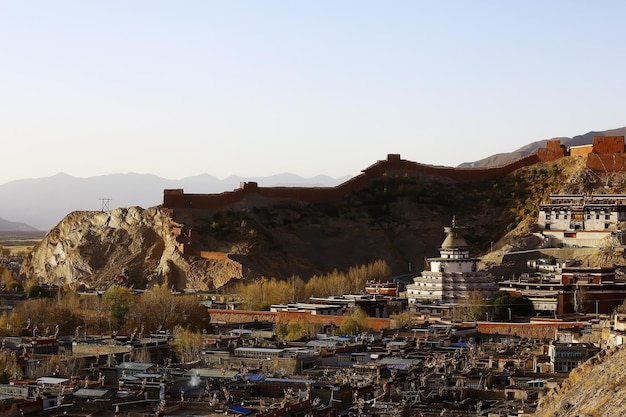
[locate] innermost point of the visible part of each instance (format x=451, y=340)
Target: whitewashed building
x=453, y=276
x=582, y=219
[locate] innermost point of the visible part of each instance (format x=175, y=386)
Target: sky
x=257, y=88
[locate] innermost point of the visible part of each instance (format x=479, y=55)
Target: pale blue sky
x=255, y=88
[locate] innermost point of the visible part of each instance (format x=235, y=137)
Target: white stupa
x=453, y=276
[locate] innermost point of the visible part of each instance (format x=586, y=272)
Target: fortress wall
x=177, y=199
x=174, y=198
x=607, y=162
x=553, y=151
x=459, y=174
x=307, y=194
x=608, y=154
x=608, y=144
x=582, y=150
x=554, y=144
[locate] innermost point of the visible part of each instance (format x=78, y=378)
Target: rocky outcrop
x=596, y=388
x=131, y=246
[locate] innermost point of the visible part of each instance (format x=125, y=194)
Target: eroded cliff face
x=131, y=246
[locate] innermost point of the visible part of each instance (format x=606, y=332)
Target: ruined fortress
x=606, y=154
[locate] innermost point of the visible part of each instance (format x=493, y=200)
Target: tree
x=187, y=344
x=502, y=301
x=402, y=320
x=35, y=291
x=158, y=309
x=118, y=300
x=9, y=368
x=294, y=329
x=472, y=308
x=5, y=276
x=191, y=314
x=337, y=283
x=354, y=324
x=44, y=315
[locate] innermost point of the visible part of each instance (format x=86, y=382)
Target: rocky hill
x=398, y=217
x=596, y=388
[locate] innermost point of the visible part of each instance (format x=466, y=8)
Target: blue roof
x=255, y=377
x=241, y=410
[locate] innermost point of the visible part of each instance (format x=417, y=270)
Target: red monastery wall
x=242, y=316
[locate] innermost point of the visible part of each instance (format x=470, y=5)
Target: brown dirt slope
x=596, y=388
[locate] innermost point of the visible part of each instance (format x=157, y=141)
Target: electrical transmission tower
x=105, y=203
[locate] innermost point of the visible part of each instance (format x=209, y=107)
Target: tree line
x=118, y=309
x=262, y=293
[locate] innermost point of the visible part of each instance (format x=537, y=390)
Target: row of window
x=565, y=216
x=569, y=354
x=452, y=294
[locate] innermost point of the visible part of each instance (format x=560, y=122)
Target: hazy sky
x=255, y=88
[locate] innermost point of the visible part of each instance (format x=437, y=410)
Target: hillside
x=596, y=388
x=398, y=217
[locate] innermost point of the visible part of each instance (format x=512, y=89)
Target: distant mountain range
x=41, y=203
x=7, y=226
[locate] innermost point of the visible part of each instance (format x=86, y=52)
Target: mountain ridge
x=9, y=226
